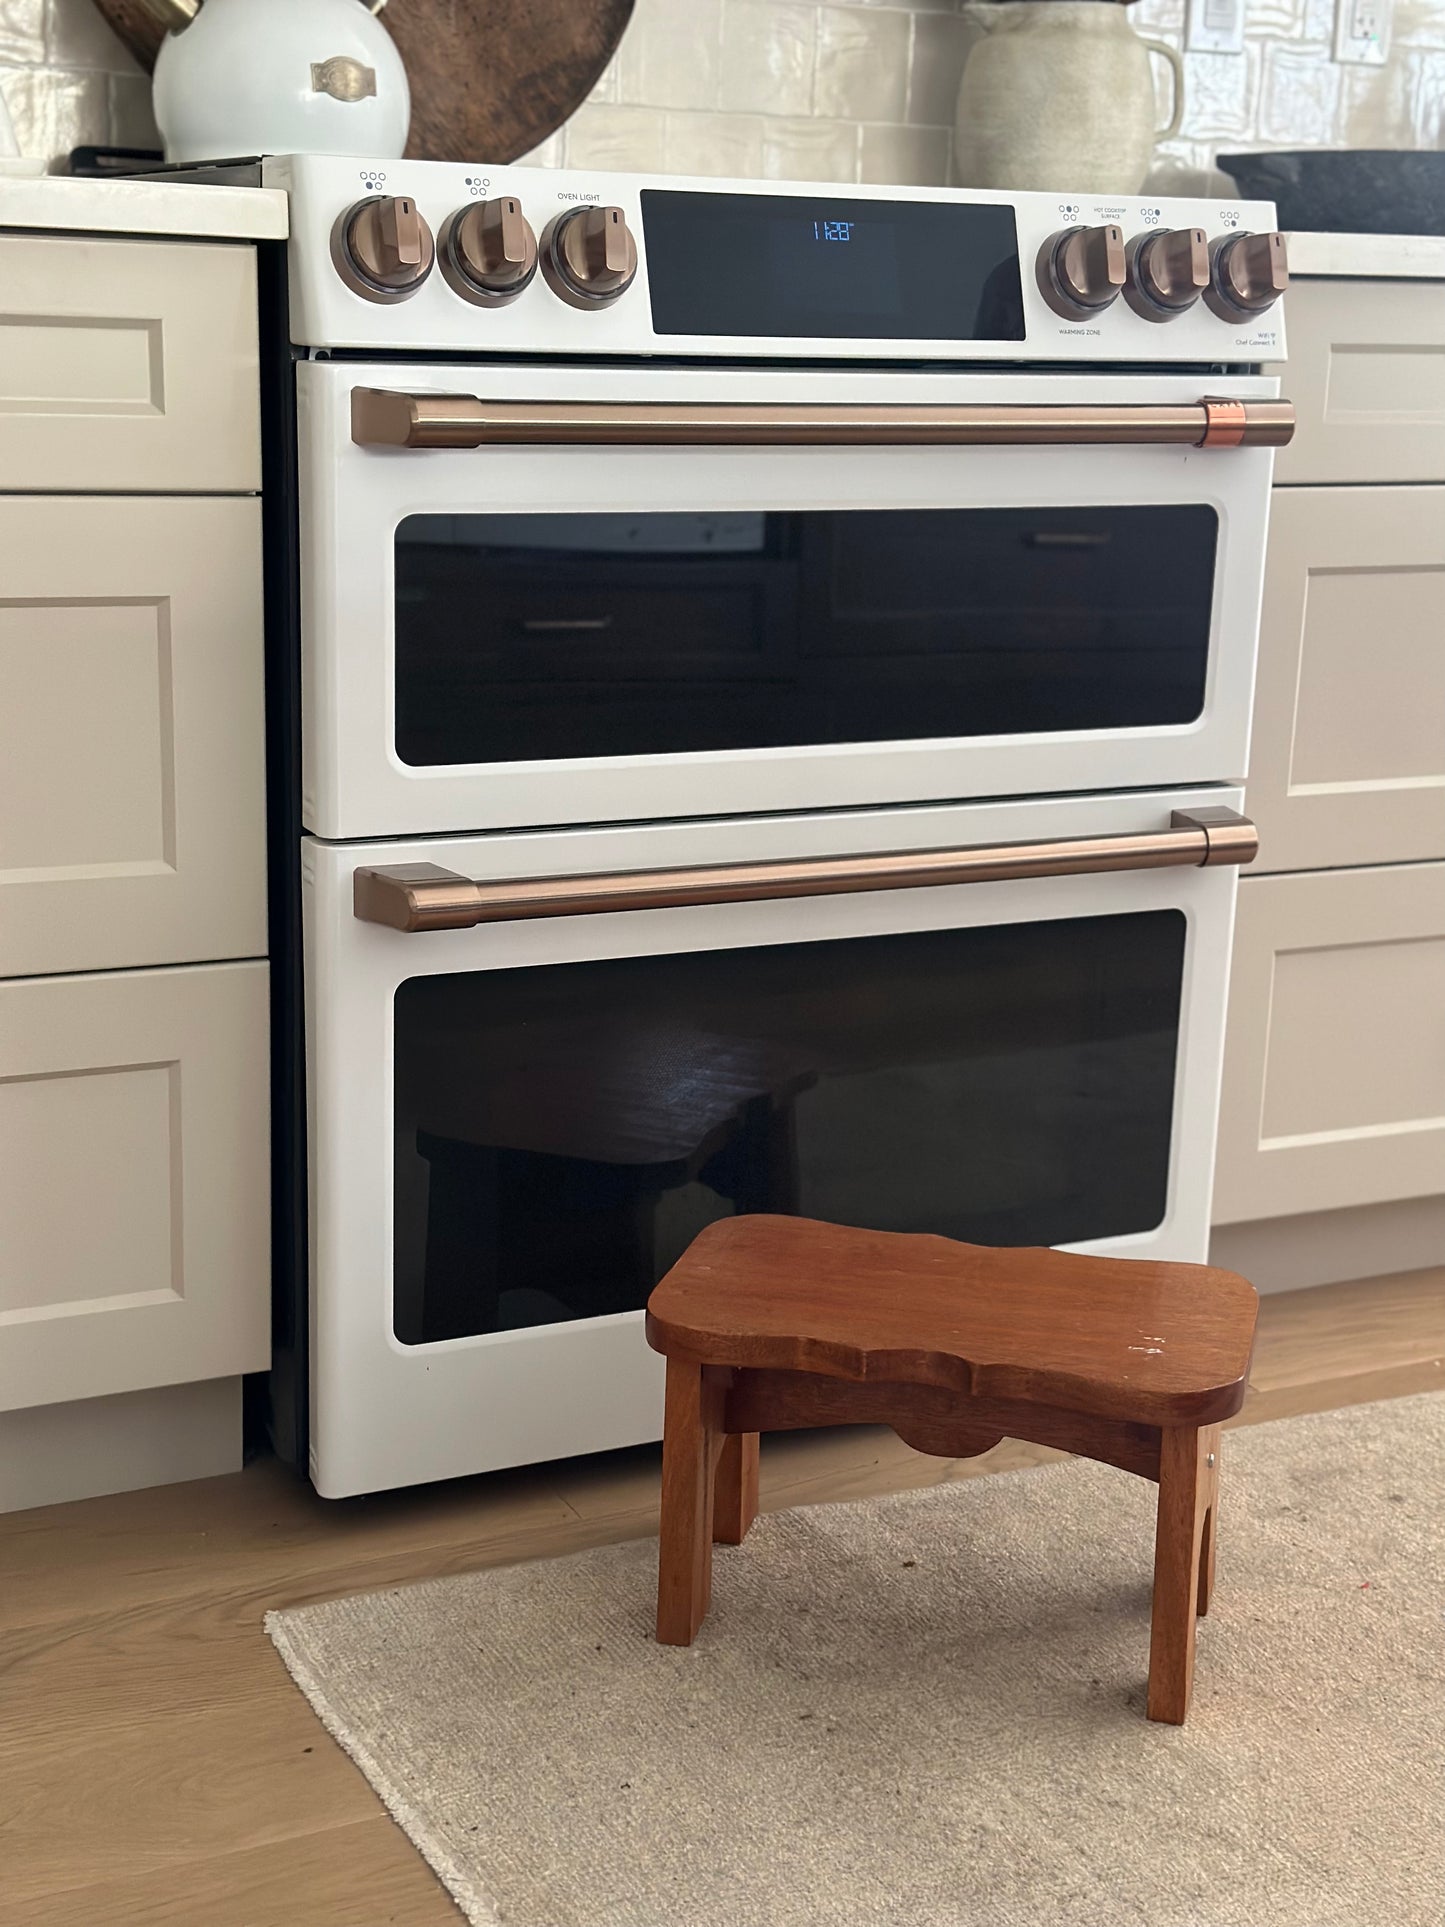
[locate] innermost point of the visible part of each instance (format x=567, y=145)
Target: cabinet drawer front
x=127, y=365
x=132, y=763
x=1366, y=372
x=1348, y=759
x=134, y=1189
x=1334, y=1061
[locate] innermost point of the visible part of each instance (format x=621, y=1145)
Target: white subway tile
x=22, y=33
x=78, y=35
x=862, y=63
x=714, y=144
x=1274, y=19
x=810, y=150
x=55, y=111
x=1419, y=23
x=1375, y=105
x=940, y=47
x=1428, y=98
x=1159, y=20
x=626, y=138
x=547, y=153
x=912, y=156
x=607, y=87
x=768, y=53
x=671, y=53
x=1221, y=95
x=1299, y=97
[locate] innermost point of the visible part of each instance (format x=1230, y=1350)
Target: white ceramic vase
x=281, y=77
x=1058, y=95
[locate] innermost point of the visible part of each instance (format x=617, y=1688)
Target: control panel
x=420, y=256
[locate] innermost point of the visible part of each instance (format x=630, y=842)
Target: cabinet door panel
x=134, y=1186
x=127, y=365
x=1334, y=1064
x=1348, y=760
x=132, y=760
x=1366, y=373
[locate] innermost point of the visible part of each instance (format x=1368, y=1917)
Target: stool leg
x=735, y=1491
x=691, y=1445
x=1209, y=1531
x=1188, y=1468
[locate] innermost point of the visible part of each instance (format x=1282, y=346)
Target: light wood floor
x=157, y=1766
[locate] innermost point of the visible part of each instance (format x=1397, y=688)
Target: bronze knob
x=383, y=248
x=1168, y=271
x=1081, y=270
x=488, y=251
x=589, y=256
x=1251, y=272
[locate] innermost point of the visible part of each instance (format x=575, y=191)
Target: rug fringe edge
x=479, y=1905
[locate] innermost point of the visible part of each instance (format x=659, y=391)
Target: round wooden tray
x=489, y=78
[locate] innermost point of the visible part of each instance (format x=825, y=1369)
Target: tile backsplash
x=69, y=82
x=787, y=88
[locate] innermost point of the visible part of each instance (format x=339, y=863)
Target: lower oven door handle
x=422, y=896
x=386, y=418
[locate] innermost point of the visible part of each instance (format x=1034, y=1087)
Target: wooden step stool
x=773, y=1324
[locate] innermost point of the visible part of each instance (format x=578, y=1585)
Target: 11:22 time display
x=833, y=230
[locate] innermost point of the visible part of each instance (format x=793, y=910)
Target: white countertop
x=182, y=208
x=1373, y=257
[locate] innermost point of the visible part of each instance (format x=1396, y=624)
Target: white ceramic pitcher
x=1059, y=95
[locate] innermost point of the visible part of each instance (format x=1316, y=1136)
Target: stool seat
x=1163, y=1344
x=773, y=1323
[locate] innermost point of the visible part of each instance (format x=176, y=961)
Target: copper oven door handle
x=422, y=896
x=386, y=418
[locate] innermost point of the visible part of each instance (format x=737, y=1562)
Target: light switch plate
x=1362, y=31
x=1216, y=27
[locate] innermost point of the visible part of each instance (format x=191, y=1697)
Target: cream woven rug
x=926, y=1711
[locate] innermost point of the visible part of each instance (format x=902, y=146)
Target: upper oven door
x=556, y=629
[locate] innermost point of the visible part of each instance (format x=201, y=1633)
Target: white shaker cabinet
x=132, y=748
x=1334, y=1083
x=134, y=1189
x=1348, y=763
x=1332, y=1127
x=134, y=985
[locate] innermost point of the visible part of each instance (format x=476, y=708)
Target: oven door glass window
x=563, y=1131
x=539, y=637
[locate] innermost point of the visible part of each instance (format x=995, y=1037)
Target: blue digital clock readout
x=833, y=230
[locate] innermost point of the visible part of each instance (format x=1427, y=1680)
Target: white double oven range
x=775, y=676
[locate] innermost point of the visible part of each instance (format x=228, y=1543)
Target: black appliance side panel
x=277, y=1407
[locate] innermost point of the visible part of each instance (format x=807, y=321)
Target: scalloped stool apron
x=776, y=1324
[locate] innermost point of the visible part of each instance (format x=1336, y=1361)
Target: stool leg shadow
x=735, y=1490
x=692, y=1444
x=1184, y=1550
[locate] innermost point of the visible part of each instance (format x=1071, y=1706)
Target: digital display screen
x=793, y=265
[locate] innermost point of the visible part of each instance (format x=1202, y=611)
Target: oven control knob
x=1081, y=270
x=1168, y=271
x=383, y=248
x=1251, y=272
x=488, y=251
x=589, y=256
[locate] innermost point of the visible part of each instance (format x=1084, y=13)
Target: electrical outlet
x=1216, y=27
x=1362, y=31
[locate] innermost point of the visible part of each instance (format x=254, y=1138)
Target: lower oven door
x=516, y=1128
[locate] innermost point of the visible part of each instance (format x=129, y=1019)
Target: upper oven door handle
x=423, y=896
x=388, y=418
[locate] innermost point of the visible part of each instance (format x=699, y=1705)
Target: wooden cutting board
x=489, y=78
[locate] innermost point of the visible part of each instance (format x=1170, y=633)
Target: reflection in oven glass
x=563, y=1131
x=534, y=637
